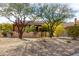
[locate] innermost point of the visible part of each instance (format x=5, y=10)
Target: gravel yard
x=38, y=47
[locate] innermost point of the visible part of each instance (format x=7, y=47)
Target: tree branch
x=9, y=19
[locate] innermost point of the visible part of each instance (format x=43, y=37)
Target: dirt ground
x=38, y=47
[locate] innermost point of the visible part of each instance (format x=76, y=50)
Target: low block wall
x=28, y=34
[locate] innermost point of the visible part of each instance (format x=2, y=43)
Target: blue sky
x=74, y=6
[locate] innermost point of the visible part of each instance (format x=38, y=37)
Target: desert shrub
x=59, y=30
x=44, y=30
x=44, y=27
x=73, y=31
x=5, y=28
x=0, y=27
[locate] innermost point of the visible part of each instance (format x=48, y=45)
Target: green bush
x=5, y=28
x=73, y=31
x=29, y=29
x=44, y=27
x=59, y=30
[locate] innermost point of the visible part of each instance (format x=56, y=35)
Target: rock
x=66, y=54
x=70, y=51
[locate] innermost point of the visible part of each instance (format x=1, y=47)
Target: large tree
x=18, y=12
x=53, y=14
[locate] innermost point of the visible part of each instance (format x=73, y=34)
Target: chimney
x=75, y=21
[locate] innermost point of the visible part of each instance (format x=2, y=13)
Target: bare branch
x=9, y=19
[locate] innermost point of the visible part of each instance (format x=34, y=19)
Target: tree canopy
x=52, y=14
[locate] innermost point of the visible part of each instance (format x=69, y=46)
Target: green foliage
x=73, y=31
x=29, y=29
x=59, y=30
x=44, y=27
x=0, y=27
x=5, y=27
x=19, y=11
x=15, y=10
x=53, y=13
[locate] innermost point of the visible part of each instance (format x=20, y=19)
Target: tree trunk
x=20, y=35
x=51, y=31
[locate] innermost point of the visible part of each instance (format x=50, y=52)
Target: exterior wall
x=37, y=28
x=31, y=34
x=28, y=34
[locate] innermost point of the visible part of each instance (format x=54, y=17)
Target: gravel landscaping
x=38, y=47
